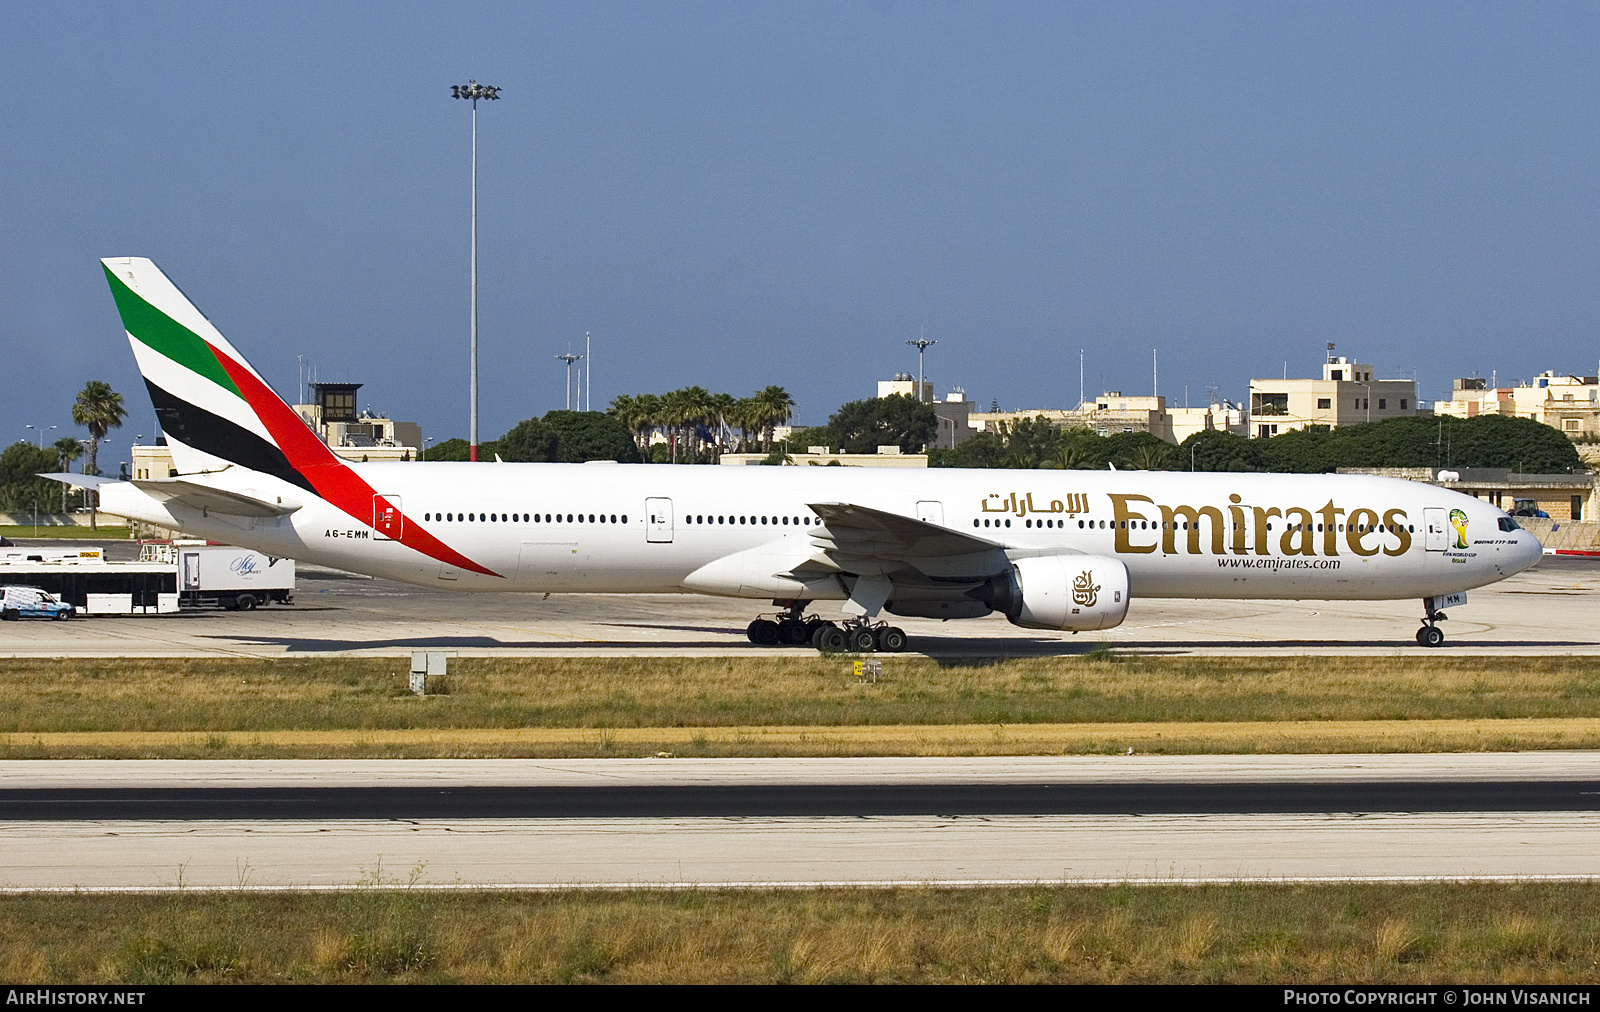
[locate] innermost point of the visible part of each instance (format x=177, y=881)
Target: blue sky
x=742, y=194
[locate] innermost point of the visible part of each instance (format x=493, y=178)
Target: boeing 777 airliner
x=1061, y=550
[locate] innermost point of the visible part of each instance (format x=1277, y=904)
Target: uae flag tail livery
x=220, y=417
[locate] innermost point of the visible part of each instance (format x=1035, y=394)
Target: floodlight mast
x=570, y=358
x=922, y=345
x=473, y=91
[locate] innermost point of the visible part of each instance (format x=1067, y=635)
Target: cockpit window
x=1508, y=524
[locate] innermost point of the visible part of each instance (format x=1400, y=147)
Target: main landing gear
x=1430, y=635
x=793, y=628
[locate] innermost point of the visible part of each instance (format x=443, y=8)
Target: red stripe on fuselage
x=330, y=476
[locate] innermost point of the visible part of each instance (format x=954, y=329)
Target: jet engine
x=1076, y=592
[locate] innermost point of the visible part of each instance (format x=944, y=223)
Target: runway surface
x=1546, y=610
x=675, y=823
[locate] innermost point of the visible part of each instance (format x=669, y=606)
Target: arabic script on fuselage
x=1075, y=503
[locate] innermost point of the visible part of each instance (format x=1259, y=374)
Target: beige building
x=1568, y=403
x=1225, y=416
x=1347, y=394
x=332, y=415
x=1110, y=413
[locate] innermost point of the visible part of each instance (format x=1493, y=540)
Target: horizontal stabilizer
x=81, y=480
x=212, y=500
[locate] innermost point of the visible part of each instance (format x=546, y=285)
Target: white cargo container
x=225, y=575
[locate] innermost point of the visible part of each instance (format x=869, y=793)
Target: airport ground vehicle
x=31, y=602
x=1528, y=508
x=1052, y=550
x=166, y=577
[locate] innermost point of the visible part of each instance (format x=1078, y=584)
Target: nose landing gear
x=1430, y=635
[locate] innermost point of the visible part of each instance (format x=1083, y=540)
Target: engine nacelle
x=1076, y=592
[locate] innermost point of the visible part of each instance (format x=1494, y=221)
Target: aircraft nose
x=1531, y=550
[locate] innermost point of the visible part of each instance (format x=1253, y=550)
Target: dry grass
x=1468, y=933
x=65, y=532
x=795, y=705
x=1212, y=738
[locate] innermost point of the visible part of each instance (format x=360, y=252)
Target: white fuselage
x=1207, y=535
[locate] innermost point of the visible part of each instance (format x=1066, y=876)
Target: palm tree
x=721, y=410
x=777, y=407
x=98, y=409
x=1150, y=457
x=670, y=415
x=67, y=450
x=693, y=409
x=628, y=410
x=747, y=416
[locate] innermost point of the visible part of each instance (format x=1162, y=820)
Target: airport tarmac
x=1134, y=844
x=1549, y=609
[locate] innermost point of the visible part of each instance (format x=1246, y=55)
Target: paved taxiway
x=1092, y=819
x=1547, y=610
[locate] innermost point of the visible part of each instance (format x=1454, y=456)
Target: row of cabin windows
x=699, y=518
x=557, y=518
x=524, y=518
x=1147, y=525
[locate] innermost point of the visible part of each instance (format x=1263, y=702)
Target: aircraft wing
x=886, y=550
x=860, y=530
x=212, y=500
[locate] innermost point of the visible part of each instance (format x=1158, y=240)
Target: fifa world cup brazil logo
x=1458, y=520
x=1085, y=591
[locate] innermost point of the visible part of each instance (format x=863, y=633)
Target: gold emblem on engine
x=1085, y=591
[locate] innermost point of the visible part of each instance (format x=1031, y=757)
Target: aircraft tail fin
x=214, y=409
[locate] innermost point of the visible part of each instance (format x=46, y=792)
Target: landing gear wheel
x=862, y=640
x=794, y=633
x=763, y=632
x=828, y=638
x=891, y=640
x=1430, y=636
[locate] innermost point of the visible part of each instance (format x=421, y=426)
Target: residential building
x=1347, y=394
x=1568, y=403
x=1225, y=415
x=1110, y=413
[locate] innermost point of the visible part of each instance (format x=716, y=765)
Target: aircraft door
x=1437, y=536
x=658, y=520
x=930, y=512
x=388, y=523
